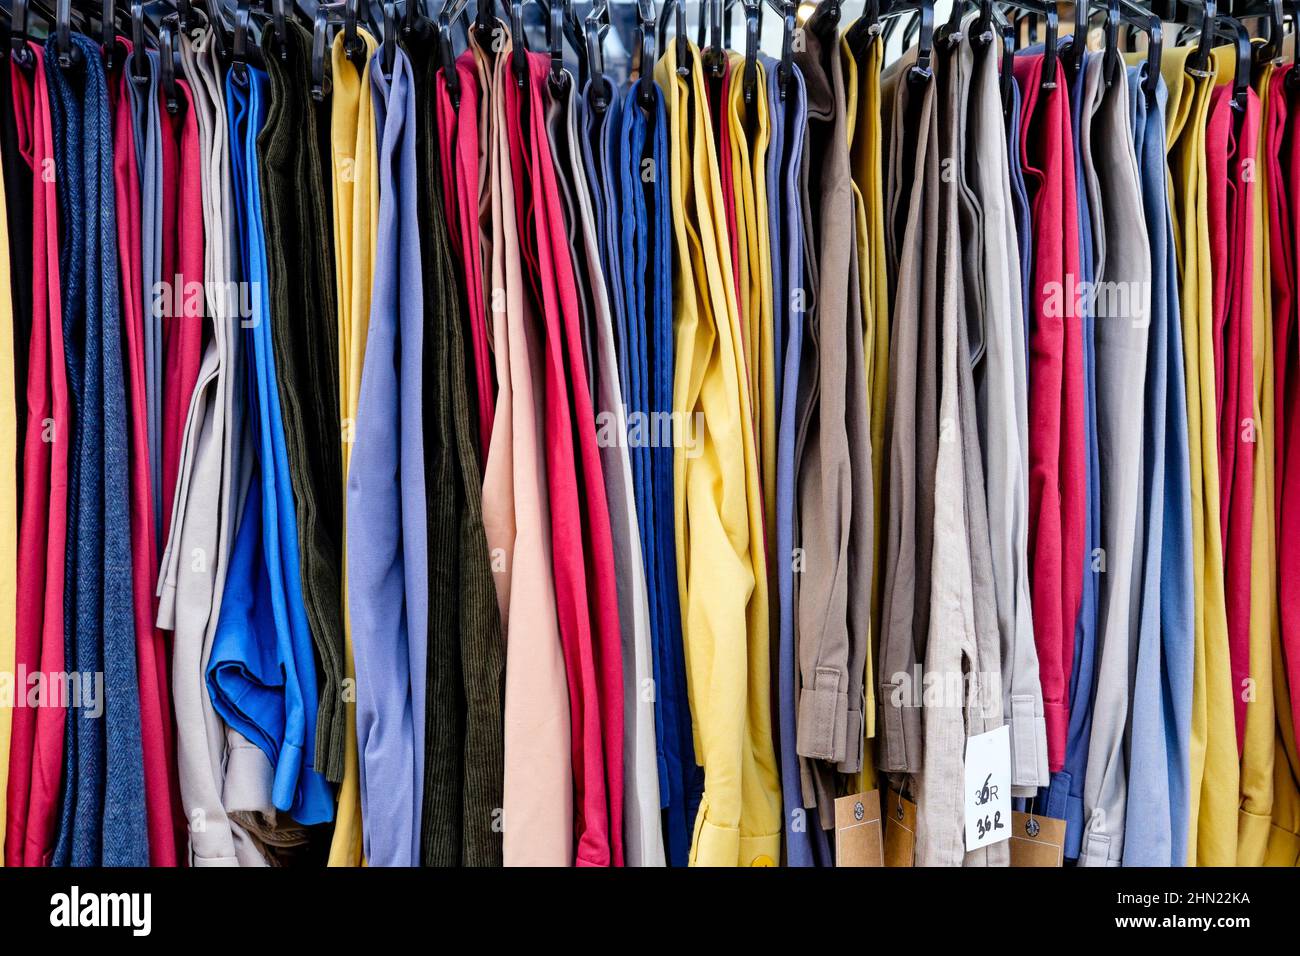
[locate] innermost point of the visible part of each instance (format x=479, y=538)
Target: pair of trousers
x=1213, y=776
x=539, y=787
x=586, y=601
x=999, y=368
x=388, y=573
x=156, y=718
x=463, y=735
x=355, y=192
x=36, y=752
x=1121, y=331
x=458, y=137
x=305, y=343
x=219, y=771
x=721, y=565
x=1155, y=818
x=103, y=817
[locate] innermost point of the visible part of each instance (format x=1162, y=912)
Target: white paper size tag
x=988, y=788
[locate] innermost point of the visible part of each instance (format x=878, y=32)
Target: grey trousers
x=1123, y=315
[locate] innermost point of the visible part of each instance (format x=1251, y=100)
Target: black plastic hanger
x=169, y=61
x=19, y=26
x=448, y=14
x=951, y=31
x=1292, y=10
x=596, y=29
x=485, y=22
x=645, y=25
x=678, y=10
x=1051, y=20
x=138, y=67
x=354, y=48
x=1198, y=64
x=388, y=39
x=413, y=18
x=865, y=29
x=1006, y=72
x=1114, y=61
x=65, y=53
x=278, y=34
x=1269, y=13
x=825, y=18
x=241, y=51
x=558, y=76
x=713, y=56
x=320, y=48
x=1216, y=27
x=519, y=43
x=787, y=10
x=753, y=35
x=1233, y=31
x=1142, y=20
x=1072, y=58
x=919, y=27
x=1121, y=13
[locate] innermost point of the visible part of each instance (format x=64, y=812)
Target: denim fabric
x=103, y=815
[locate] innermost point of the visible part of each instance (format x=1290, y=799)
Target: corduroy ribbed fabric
x=305, y=340
x=466, y=662
x=155, y=702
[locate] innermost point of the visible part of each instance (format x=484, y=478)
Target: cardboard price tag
x=900, y=830
x=987, y=796
x=858, y=840
x=1037, y=840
